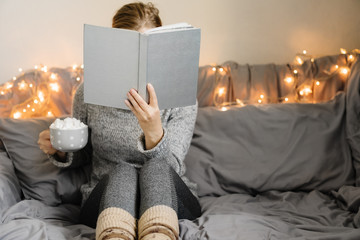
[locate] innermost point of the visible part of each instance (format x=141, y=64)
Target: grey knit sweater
x=115, y=135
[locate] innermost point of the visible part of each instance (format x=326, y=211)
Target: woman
x=136, y=156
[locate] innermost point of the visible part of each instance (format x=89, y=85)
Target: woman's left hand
x=148, y=115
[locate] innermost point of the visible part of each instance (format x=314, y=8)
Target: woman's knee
x=155, y=166
x=122, y=170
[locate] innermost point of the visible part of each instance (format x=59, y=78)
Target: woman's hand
x=45, y=144
x=148, y=115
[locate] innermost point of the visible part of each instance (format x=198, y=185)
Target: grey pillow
x=38, y=177
x=282, y=147
x=353, y=116
x=10, y=192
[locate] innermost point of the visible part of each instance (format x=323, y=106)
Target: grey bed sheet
x=270, y=215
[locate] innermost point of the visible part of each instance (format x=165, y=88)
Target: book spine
x=142, y=81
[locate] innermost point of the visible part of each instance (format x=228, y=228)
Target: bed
x=271, y=160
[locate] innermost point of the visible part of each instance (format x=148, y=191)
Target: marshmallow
x=67, y=123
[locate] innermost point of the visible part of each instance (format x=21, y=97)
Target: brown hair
x=134, y=16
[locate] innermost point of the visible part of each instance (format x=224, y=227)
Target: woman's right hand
x=45, y=144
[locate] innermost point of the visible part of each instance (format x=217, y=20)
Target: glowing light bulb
x=22, y=85
x=223, y=109
x=36, y=101
x=24, y=110
x=305, y=91
x=304, y=52
x=28, y=106
x=343, y=51
x=239, y=102
x=74, y=67
x=41, y=96
x=20, y=69
x=78, y=79
x=50, y=114
x=8, y=85
x=36, y=67
x=259, y=101
x=214, y=69
x=14, y=78
x=351, y=58
x=286, y=99
x=299, y=60
x=53, y=76
x=30, y=85
x=33, y=109
x=344, y=71
x=2, y=92
x=221, y=91
x=295, y=71
x=262, y=96
x=17, y=115
x=54, y=86
x=317, y=83
x=289, y=79
x=221, y=69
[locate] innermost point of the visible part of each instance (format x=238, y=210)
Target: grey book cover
x=116, y=60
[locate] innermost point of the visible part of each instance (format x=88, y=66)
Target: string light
x=351, y=58
x=222, y=93
x=55, y=87
x=289, y=79
x=17, y=115
x=299, y=60
x=305, y=91
x=22, y=85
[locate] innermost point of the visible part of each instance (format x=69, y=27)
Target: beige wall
x=247, y=31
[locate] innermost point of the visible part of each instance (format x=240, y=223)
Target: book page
x=172, y=65
x=172, y=27
x=111, y=59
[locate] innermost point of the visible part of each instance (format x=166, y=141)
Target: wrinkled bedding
x=270, y=215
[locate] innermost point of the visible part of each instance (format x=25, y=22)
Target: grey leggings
x=136, y=190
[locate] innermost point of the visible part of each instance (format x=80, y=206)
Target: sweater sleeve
x=83, y=156
x=174, y=145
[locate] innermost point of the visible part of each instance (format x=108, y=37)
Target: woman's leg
x=115, y=200
x=163, y=201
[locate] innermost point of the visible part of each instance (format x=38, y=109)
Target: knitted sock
x=115, y=223
x=159, y=223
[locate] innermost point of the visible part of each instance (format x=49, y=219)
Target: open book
x=116, y=60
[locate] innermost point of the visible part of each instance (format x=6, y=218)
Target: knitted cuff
x=115, y=222
x=159, y=219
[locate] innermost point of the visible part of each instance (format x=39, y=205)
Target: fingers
x=136, y=102
x=152, y=96
x=45, y=143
